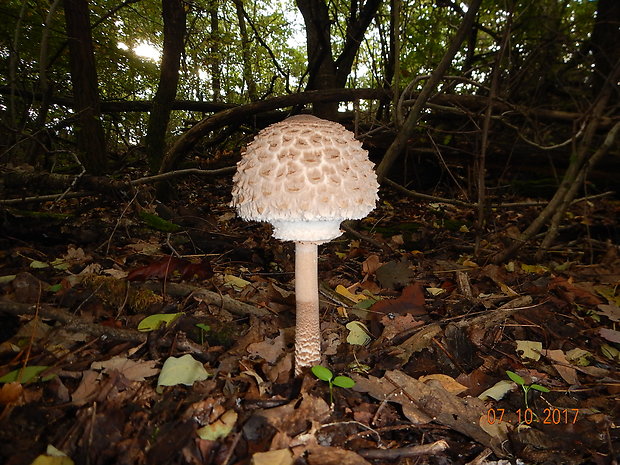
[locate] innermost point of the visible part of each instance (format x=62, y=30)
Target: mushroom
x=305, y=175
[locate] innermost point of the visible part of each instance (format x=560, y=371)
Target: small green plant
x=526, y=387
x=325, y=374
x=204, y=329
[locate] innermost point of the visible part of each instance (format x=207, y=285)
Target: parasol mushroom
x=305, y=175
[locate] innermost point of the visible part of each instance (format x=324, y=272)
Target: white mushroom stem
x=307, y=331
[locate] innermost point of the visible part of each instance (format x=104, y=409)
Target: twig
x=185, y=172
x=401, y=452
x=431, y=198
x=544, y=202
x=346, y=225
x=231, y=449
x=45, y=198
x=75, y=180
x=118, y=221
x=367, y=429
x=445, y=165
x=91, y=430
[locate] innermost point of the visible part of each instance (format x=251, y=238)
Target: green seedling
x=526, y=387
x=325, y=374
x=204, y=329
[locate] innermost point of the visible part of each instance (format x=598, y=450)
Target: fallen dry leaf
x=130, y=369
x=270, y=349
x=562, y=366
x=610, y=334
x=323, y=455
x=11, y=392
x=448, y=383
x=273, y=457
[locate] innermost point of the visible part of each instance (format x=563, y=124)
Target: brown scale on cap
x=305, y=175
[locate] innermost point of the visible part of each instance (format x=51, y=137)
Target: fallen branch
x=90, y=184
x=460, y=203
x=430, y=198
x=451, y=103
x=461, y=414
x=401, y=452
x=184, y=144
x=227, y=303
x=71, y=322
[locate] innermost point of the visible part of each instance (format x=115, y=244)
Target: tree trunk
x=605, y=40
x=173, y=13
x=215, y=61
x=38, y=128
x=321, y=64
x=13, y=64
x=248, y=75
x=325, y=72
x=393, y=69
x=89, y=132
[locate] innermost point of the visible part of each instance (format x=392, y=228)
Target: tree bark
x=321, y=64
x=605, y=40
x=325, y=72
x=13, y=63
x=392, y=67
x=39, y=134
x=173, y=13
x=481, y=156
x=89, y=132
x=215, y=62
x=248, y=75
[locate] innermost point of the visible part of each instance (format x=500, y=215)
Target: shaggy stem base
x=307, y=328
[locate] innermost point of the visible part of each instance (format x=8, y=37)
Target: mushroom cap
x=304, y=175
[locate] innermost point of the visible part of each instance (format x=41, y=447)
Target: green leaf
x=365, y=304
x=204, y=327
x=152, y=322
x=497, y=391
x=358, y=333
x=52, y=456
x=7, y=278
x=30, y=373
x=182, y=370
x=55, y=288
x=219, y=428
x=322, y=373
x=610, y=352
x=515, y=377
x=343, y=382
x=60, y=264
x=36, y=264
x=540, y=388
x=529, y=349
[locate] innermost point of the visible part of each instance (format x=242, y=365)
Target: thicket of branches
x=476, y=80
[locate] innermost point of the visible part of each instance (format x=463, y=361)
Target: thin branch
x=135, y=182
x=430, y=198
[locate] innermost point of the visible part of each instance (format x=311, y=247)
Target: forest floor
x=463, y=362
